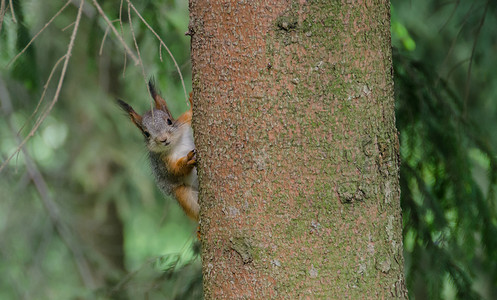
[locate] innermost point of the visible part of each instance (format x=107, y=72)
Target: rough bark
x=298, y=153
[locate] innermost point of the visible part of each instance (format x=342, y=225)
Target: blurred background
x=81, y=218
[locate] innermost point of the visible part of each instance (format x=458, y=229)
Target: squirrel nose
x=164, y=141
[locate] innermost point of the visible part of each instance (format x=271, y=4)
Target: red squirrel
x=171, y=150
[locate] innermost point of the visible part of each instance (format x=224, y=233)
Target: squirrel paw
x=190, y=158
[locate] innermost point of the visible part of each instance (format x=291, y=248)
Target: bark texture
x=298, y=152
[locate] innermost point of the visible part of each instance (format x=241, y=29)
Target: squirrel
x=171, y=150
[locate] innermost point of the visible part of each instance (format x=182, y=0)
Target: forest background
x=80, y=216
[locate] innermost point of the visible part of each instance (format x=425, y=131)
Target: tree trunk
x=298, y=152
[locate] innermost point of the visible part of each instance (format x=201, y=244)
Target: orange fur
x=182, y=194
x=187, y=116
x=160, y=103
x=182, y=166
x=174, y=177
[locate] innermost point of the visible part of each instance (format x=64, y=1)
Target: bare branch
x=68, y=26
x=473, y=50
x=2, y=13
x=45, y=88
x=160, y=52
x=119, y=37
x=136, y=45
x=38, y=33
x=163, y=45
x=12, y=12
x=103, y=41
x=122, y=33
x=57, y=91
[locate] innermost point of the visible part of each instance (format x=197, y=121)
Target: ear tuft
x=160, y=103
x=151, y=88
x=135, y=117
x=125, y=106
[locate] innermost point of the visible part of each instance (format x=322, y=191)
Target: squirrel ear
x=160, y=103
x=135, y=117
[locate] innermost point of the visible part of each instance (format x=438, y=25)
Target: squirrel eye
x=169, y=122
x=147, y=135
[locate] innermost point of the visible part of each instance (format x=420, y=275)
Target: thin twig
x=50, y=205
x=2, y=13
x=38, y=33
x=103, y=41
x=122, y=33
x=451, y=49
x=68, y=26
x=14, y=20
x=450, y=16
x=45, y=88
x=454, y=67
x=104, y=38
x=57, y=92
x=163, y=45
x=473, y=50
x=119, y=37
x=136, y=45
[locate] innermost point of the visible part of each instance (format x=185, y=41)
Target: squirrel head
x=158, y=127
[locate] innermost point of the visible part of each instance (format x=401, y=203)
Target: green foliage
x=444, y=91
x=138, y=244
x=100, y=210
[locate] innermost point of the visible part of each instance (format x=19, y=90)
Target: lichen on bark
x=295, y=131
